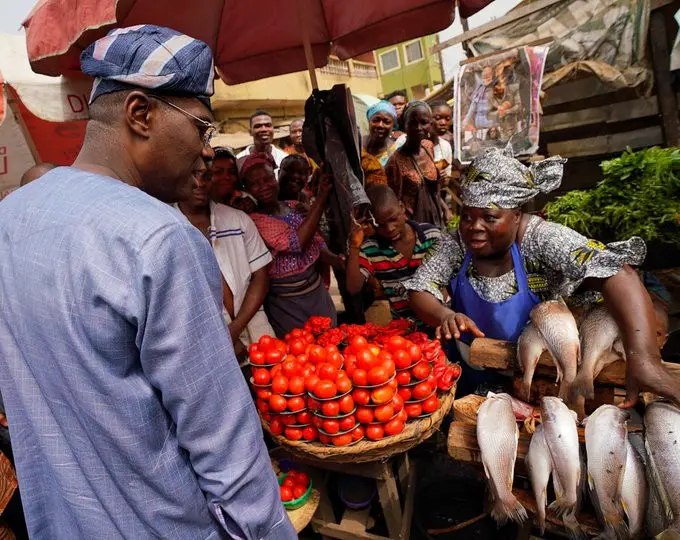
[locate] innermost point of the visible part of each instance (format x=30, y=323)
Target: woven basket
x=8, y=482
x=364, y=451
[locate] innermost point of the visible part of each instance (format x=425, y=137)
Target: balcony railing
x=351, y=68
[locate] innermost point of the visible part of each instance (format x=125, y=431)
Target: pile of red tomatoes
x=368, y=389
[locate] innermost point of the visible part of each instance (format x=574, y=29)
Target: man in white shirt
x=262, y=130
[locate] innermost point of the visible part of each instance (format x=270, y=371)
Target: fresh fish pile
x=530, y=347
x=634, y=492
x=607, y=448
x=557, y=326
x=539, y=465
x=497, y=436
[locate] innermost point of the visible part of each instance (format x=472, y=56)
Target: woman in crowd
x=241, y=255
x=293, y=179
x=377, y=145
x=225, y=185
x=295, y=288
x=501, y=263
x=412, y=172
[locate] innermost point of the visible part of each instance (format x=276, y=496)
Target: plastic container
x=296, y=503
x=356, y=492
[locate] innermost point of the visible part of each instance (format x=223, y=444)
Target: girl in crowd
x=293, y=179
x=377, y=145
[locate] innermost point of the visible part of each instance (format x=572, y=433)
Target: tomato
x=364, y=415
x=304, y=359
x=277, y=403
x=335, y=359
x=311, y=382
x=317, y=354
x=327, y=372
x=396, y=343
x=262, y=406
x=421, y=370
x=293, y=434
x=296, y=384
x=346, y=404
x=307, y=370
x=299, y=491
x=317, y=421
x=394, y=427
x=414, y=351
x=288, y=419
x=267, y=417
x=344, y=384
x=309, y=338
x=331, y=426
x=330, y=408
x=404, y=393
x=402, y=359
x=289, y=481
x=342, y=440
x=310, y=433
x=382, y=394
x=263, y=394
x=422, y=390
x=302, y=479
x=358, y=433
x=375, y=433
x=280, y=384
x=378, y=375
x=393, y=384
x=389, y=366
x=365, y=359
x=383, y=413
x=297, y=346
x=276, y=370
x=273, y=357
x=403, y=416
x=361, y=396
x=324, y=439
x=290, y=368
x=413, y=409
x=383, y=356
x=325, y=389
x=276, y=427
x=360, y=377
x=253, y=348
x=403, y=377
x=257, y=358
x=296, y=404
x=430, y=405
x=456, y=371
x=305, y=417
x=358, y=343
x=266, y=343
x=397, y=403
x=347, y=423
x=313, y=404
x=286, y=493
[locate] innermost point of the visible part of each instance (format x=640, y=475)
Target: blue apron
x=498, y=320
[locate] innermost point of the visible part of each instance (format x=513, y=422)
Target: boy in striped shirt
x=392, y=254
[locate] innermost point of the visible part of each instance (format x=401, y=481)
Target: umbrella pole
x=307, y=45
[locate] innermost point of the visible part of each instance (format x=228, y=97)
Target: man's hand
x=235, y=330
x=356, y=236
x=453, y=324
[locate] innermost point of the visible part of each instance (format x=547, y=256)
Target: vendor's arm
x=356, y=273
x=310, y=226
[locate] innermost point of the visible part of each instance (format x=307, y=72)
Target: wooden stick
x=307, y=45
x=458, y=527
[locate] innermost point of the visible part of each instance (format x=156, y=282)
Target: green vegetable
x=639, y=196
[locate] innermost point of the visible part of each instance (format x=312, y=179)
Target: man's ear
x=138, y=112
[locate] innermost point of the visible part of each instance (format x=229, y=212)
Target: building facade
x=410, y=66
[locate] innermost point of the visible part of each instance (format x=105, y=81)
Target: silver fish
x=662, y=441
x=497, y=436
x=606, y=446
x=559, y=428
x=530, y=346
x=558, y=327
x=539, y=465
x=634, y=493
x=598, y=331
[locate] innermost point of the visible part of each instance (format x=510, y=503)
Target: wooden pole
x=307, y=45
x=668, y=104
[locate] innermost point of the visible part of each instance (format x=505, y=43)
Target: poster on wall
x=497, y=102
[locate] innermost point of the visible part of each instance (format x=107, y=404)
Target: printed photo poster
x=497, y=102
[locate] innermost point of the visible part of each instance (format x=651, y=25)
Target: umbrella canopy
x=41, y=118
x=251, y=39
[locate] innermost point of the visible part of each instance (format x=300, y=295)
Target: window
x=413, y=52
x=389, y=61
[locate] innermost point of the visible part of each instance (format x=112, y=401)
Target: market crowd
x=126, y=405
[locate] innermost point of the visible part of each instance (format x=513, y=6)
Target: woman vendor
x=295, y=288
x=377, y=145
x=501, y=263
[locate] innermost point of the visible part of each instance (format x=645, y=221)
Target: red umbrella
x=251, y=39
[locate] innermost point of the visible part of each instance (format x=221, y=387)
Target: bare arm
x=447, y=322
x=310, y=225
x=253, y=300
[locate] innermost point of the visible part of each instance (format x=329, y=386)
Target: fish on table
x=557, y=326
x=497, y=436
x=539, y=466
x=530, y=347
x=634, y=492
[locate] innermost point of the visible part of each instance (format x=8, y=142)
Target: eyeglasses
x=206, y=133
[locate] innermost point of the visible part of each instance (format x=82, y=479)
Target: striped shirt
x=380, y=259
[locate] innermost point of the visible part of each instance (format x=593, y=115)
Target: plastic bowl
x=296, y=503
x=356, y=492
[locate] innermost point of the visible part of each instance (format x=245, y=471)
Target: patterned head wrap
x=151, y=57
x=254, y=159
x=382, y=107
x=411, y=106
x=495, y=179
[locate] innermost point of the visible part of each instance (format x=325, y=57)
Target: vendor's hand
x=649, y=375
x=356, y=236
x=325, y=185
x=453, y=324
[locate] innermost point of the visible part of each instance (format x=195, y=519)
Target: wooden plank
x=576, y=90
x=608, y=114
x=404, y=472
x=668, y=104
x=658, y=4
x=534, y=43
x=410, y=496
x=388, y=494
x=355, y=520
x=334, y=530
x=608, y=144
x=512, y=16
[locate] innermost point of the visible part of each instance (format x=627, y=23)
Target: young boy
x=392, y=254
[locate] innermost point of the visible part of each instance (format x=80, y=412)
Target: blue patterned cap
x=151, y=57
